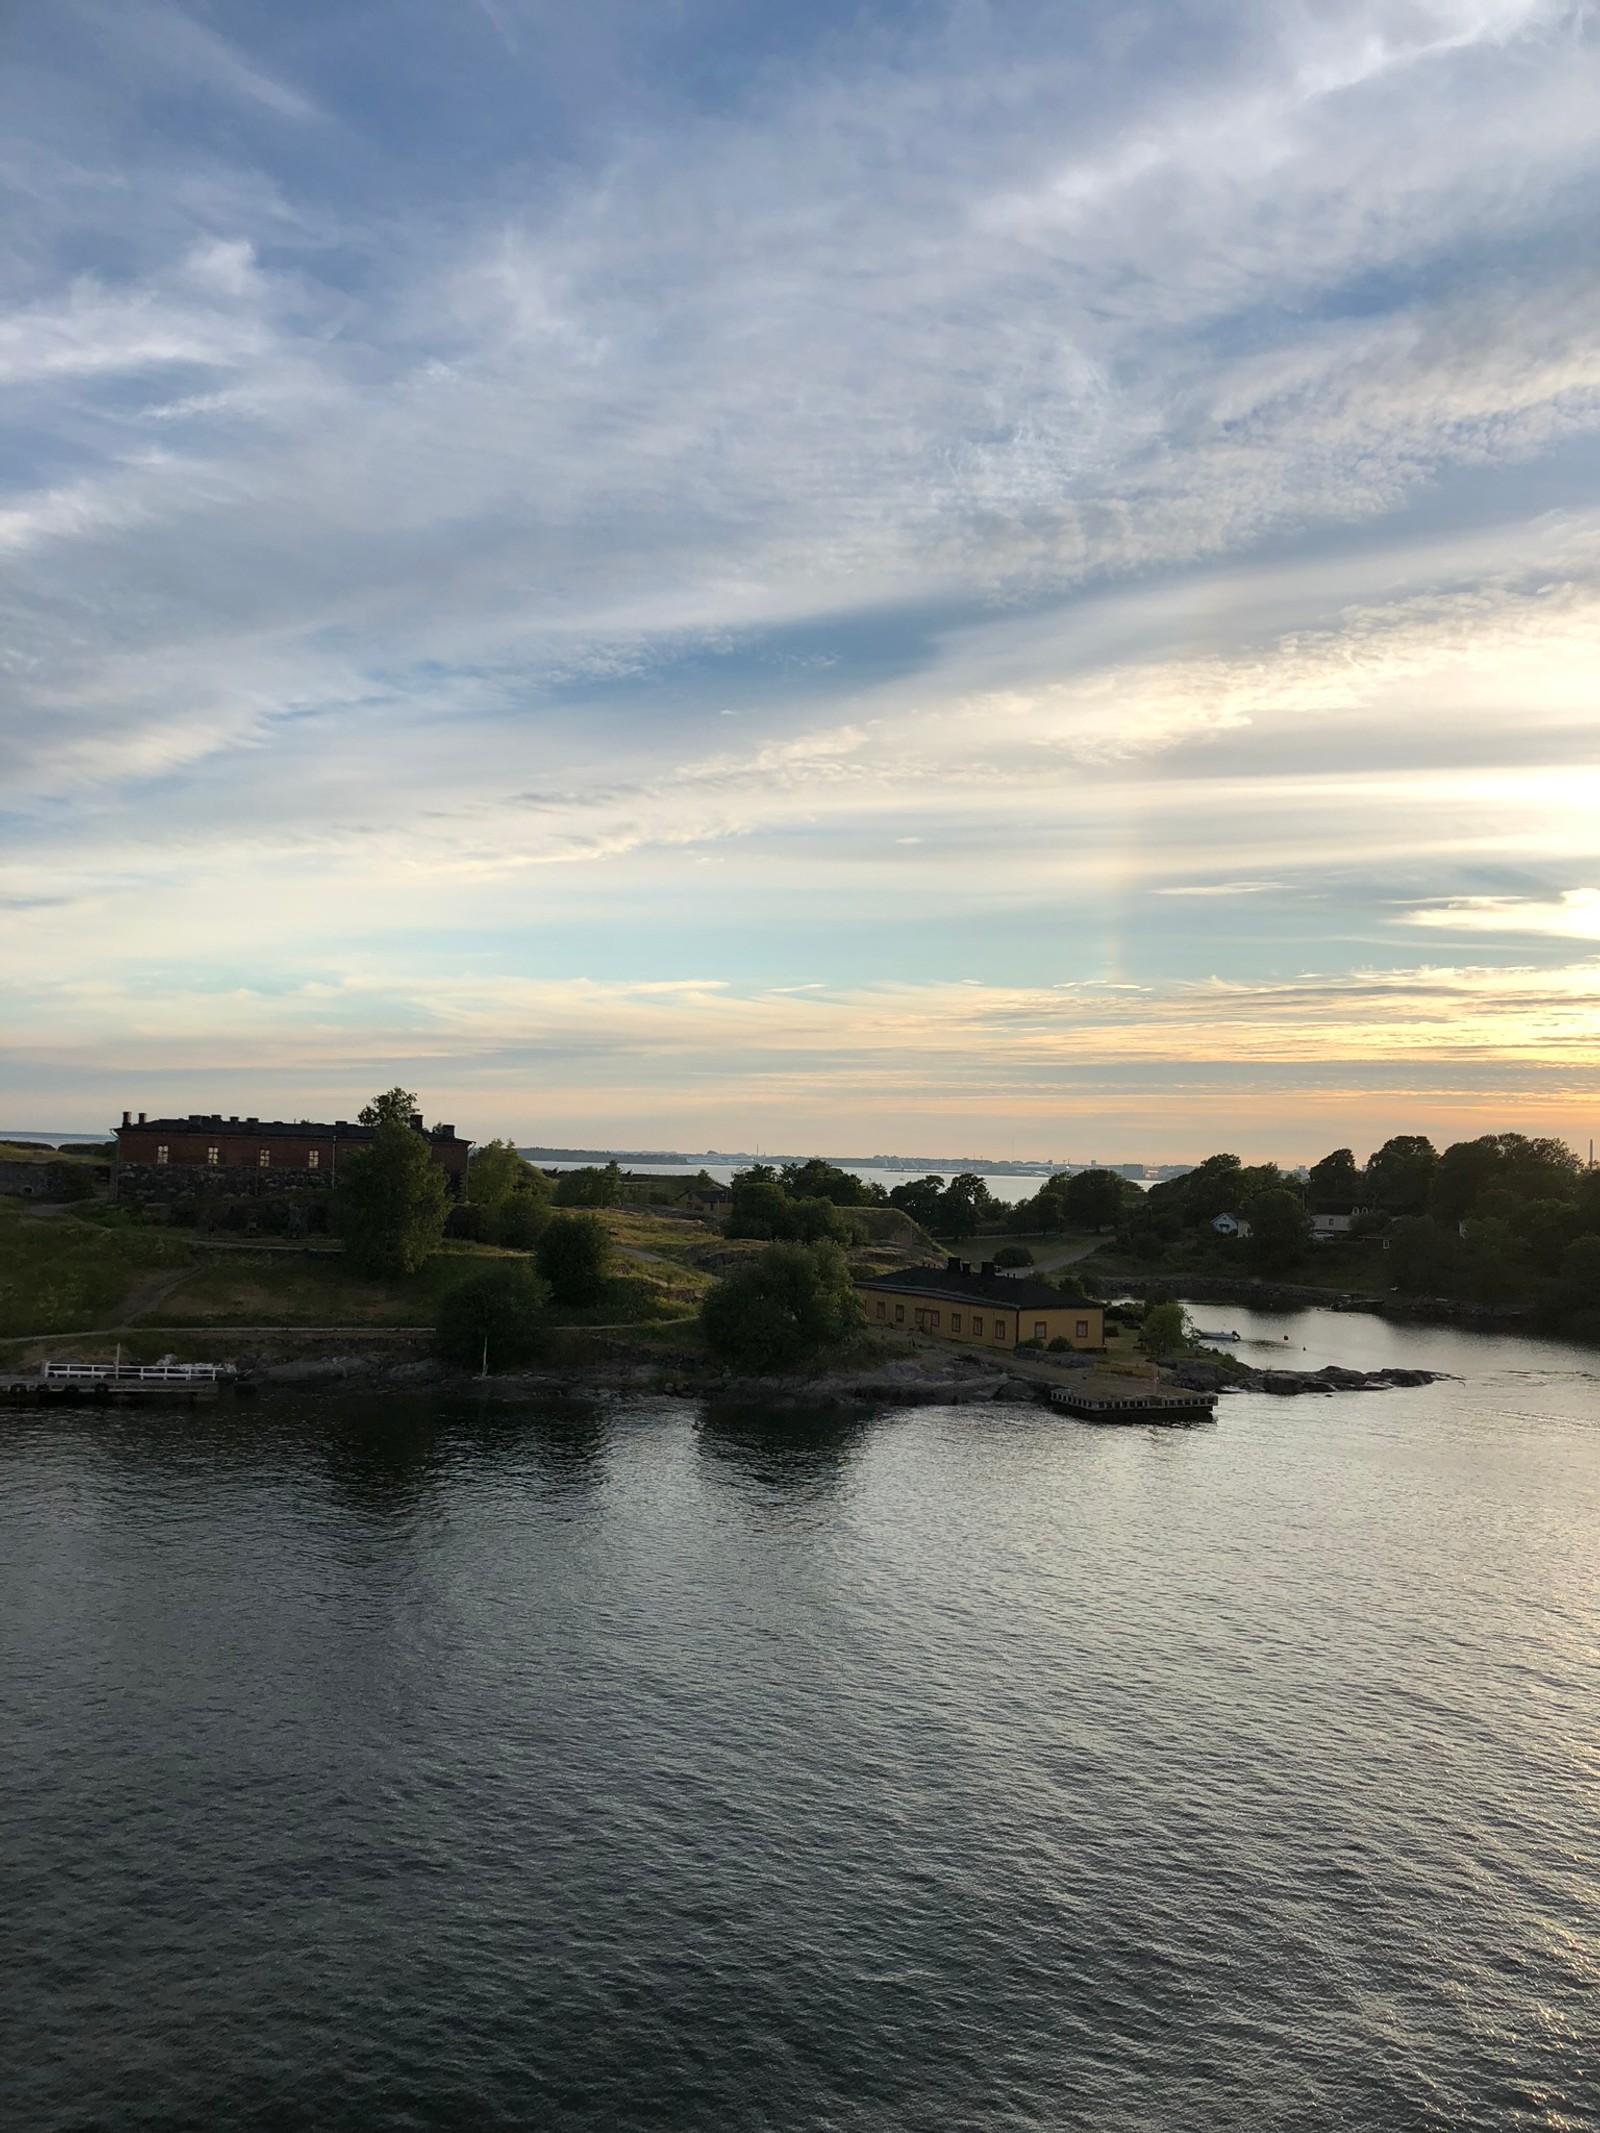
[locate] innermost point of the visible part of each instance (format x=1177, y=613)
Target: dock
x=1096, y=1405
x=80, y=1382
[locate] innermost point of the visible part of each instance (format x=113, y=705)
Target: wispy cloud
x=1112, y=480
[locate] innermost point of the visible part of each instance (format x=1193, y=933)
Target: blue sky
x=837, y=576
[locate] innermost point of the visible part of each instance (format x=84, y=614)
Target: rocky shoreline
x=911, y=1380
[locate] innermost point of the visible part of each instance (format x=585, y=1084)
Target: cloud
x=1048, y=475
x=1574, y=915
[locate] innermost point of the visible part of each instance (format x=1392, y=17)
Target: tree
x=389, y=1203
x=1280, y=1229
x=497, y=1170
x=784, y=1309
x=1508, y=1162
x=819, y=1180
x=965, y=1202
x=1399, y=1175
x=393, y=1107
x=590, y=1186
x=1334, y=1186
x=1093, y=1198
x=492, y=1318
x=920, y=1198
x=1166, y=1330
x=574, y=1256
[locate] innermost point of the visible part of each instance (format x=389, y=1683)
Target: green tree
x=1334, y=1186
x=785, y=1309
x=1166, y=1330
x=1093, y=1199
x=574, y=1254
x=920, y=1198
x=818, y=1180
x=1280, y=1229
x=809, y=1221
x=1399, y=1175
x=390, y=1201
x=592, y=1186
x=1505, y=1162
x=760, y=1204
x=965, y=1203
x=393, y=1107
x=497, y=1170
x=492, y=1317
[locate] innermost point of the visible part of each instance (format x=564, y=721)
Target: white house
x=1230, y=1225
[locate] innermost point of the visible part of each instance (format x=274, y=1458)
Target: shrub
x=1166, y=1330
x=784, y=1309
x=1013, y=1255
x=575, y=1258
x=520, y=1221
x=493, y=1315
x=469, y=1221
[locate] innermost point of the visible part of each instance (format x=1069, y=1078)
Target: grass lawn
x=57, y=1273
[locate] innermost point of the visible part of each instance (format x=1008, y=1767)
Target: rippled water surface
x=421, y=1763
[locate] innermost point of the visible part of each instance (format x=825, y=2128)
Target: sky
x=1008, y=578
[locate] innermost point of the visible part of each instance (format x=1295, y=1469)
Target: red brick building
x=162, y=1158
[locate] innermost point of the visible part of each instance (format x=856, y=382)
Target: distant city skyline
x=819, y=575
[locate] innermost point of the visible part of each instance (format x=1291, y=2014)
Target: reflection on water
x=789, y=1451
x=469, y=1763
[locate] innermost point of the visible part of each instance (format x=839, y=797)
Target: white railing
x=134, y=1373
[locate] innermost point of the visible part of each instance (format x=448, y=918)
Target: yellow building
x=986, y=1308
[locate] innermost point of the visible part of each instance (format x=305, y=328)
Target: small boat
x=1200, y=1336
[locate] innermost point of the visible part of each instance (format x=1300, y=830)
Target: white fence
x=134, y=1373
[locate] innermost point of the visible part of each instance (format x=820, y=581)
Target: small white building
x=1325, y=1226
x=1230, y=1225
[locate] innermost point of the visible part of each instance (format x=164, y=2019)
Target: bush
x=1013, y=1255
x=1166, y=1330
x=592, y=1186
x=520, y=1221
x=574, y=1254
x=468, y=1221
x=784, y=1309
x=493, y=1315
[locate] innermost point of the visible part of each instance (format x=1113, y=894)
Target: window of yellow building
x=955, y=1321
x=1040, y=1329
x=1083, y=1329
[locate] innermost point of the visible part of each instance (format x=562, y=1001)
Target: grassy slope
x=57, y=1273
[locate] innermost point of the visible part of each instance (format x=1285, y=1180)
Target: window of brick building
x=264, y=1159
x=213, y=1157
x=162, y=1154
x=314, y=1159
